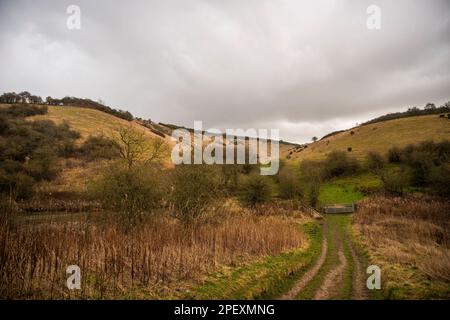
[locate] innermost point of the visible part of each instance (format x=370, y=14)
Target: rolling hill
x=377, y=137
x=360, y=140
x=90, y=121
x=76, y=174
x=94, y=122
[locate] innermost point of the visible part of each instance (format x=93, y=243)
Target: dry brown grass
x=152, y=261
x=410, y=239
x=379, y=137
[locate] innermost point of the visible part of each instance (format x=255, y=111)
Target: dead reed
x=144, y=262
x=409, y=233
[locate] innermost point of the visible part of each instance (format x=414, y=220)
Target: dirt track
x=309, y=275
x=332, y=280
x=329, y=277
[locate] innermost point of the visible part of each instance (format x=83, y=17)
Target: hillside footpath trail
x=338, y=272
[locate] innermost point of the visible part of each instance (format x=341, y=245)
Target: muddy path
x=331, y=284
x=309, y=275
x=338, y=273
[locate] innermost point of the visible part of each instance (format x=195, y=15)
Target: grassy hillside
x=93, y=122
x=76, y=174
x=378, y=137
x=371, y=137
x=89, y=121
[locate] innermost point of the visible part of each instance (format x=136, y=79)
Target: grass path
x=341, y=276
x=333, y=278
x=268, y=278
x=309, y=275
x=331, y=267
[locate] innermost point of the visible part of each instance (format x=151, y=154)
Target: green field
x=349, y=189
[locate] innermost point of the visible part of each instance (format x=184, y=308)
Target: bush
x=194, y=189
x=313, y=194
x=255, y=189
x=97, y=147
x=42, y=164
x=248, y=168
x=289, y=183
x=230, y=177
x=54, y=132
x=29, y=149
x=395, y=182
x=24, y=110
x=3, y=124
x=339, y=163
x=424, y=161
x=438, y=153
x=394, y=155
x=67, y=149
x=440, y=180
x=23, y=188
x=375, y=161
x=443, y=150
x=421, y=165
x=13, y=182
x=133, y=192
x=313, y=170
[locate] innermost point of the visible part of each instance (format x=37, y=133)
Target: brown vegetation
x=156, y=258
x=409, y=238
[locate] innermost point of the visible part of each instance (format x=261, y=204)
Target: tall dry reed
x=117, y=262
x=408, y=233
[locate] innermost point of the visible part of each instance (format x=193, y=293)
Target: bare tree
x=135, y=147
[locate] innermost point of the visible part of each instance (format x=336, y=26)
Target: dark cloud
x=305, y=67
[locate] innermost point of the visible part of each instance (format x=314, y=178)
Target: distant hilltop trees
x=429, y=108
x=23, y=97
x=28, y=98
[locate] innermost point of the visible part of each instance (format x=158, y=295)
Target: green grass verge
x=265, y=279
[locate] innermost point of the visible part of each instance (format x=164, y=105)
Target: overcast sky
x=305, y=67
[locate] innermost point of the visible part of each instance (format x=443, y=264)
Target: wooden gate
x=339, y=208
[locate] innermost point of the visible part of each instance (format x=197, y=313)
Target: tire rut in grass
x=332, y=282
x=309, y=275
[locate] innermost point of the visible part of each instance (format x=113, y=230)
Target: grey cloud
x=306, y=67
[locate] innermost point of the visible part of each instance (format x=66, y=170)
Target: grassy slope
x=89, y=121
x=76, y=174
x=380, y=137
x=94, y=122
